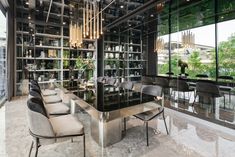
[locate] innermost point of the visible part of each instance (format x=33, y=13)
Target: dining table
x=107, y=106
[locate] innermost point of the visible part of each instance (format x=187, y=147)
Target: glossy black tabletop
x=106, y=98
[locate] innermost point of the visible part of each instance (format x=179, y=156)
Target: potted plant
x=84, y=66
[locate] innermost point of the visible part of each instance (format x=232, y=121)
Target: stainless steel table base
x=106, y=133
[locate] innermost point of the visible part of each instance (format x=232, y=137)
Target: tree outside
x=226, y=58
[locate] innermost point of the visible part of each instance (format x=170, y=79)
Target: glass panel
x=192, y=52
x=226, y=47
x=3, y=43
x=162, y=39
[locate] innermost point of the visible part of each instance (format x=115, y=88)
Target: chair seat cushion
x=52, y=99
x=57, y=108
x=66, y=125
x=146, y=116
x=48, y=92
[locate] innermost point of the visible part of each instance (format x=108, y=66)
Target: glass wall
x=194, y=26
x=2, y=55
x=226, y=38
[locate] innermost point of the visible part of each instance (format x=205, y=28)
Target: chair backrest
x=179, y=85
x=226, y=77
x=38, y=121
x=35, y=88
x=34, y=82
x=170, y=73
x=100, y=79
x=34, y=94
x=110, y=81
x=202, y=75
x=126, y=85
x=163, y=82
x=153, y=90
x=147, y=80
x=207, y=89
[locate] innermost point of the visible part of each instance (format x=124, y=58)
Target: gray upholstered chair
x=44, y=92
x=126, y=85
x=110, y=81
x=180, y=86
x=146, y=80
x=53, y=108
x=164, y=83
x=100, y=79
x=47, y=99
x=202, y=76
x=208, y=89
x=155, y=91
x=46, y=130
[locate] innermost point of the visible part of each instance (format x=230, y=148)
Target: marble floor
x=223, y=115
x=2, y=131
x=189, y=137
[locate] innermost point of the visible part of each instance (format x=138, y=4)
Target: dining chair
x=155, y=91
x=53, y=108
x=48, y=130
x=178, y=85
x=126, y=85
x=170, y=73
x=110, y=81
x=100, y=79
x=45, y=92
x=164, y=83
x=202, y=76
x=146, y=80
x=50, y=99
x=208, y=89
x=228, y=88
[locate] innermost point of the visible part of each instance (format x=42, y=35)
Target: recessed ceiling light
x=29, y=17
x=103, y=19
x=27, y=3
x=222, y=17
x=64, y=23
x=187, y=0
x=151, y=15
x=121, y=6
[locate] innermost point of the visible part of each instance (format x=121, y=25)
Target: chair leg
x=84, y=145
x=36, y=145
x=224, y=101
x=125, y=125
x=147, y=134
x=229, y=97
x=31, y=147
x=194, y=99
x=163, y=115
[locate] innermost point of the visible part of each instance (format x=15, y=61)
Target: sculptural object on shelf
x=182, y=66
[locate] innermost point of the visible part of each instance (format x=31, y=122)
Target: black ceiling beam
x=133, y=13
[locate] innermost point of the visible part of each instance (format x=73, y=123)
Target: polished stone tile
x=2, y=131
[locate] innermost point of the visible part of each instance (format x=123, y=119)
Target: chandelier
x=92, y=19
x=159, y=45
x=188, y=39
x=75, y=34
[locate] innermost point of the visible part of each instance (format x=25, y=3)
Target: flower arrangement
x=182, y=66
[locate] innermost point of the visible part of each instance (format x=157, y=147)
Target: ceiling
x=134, y=14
